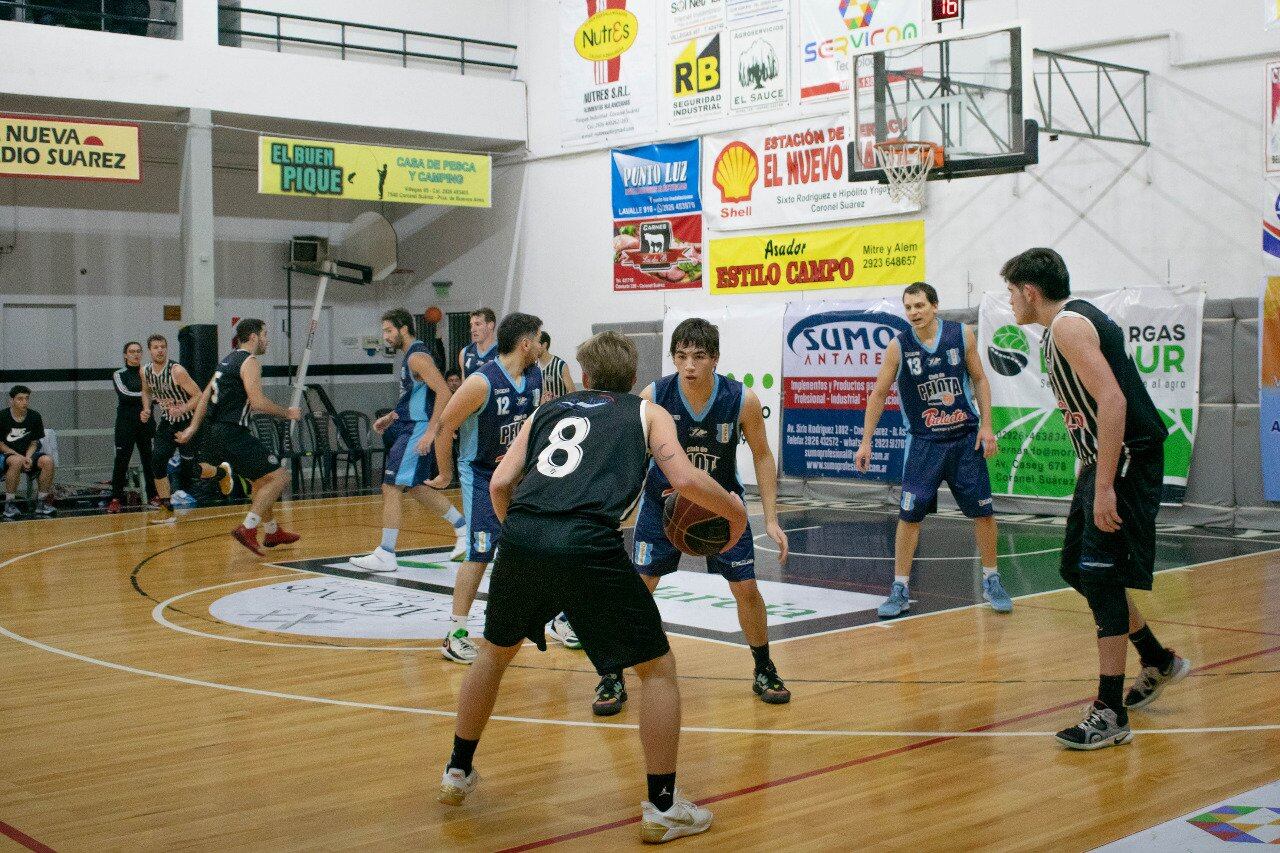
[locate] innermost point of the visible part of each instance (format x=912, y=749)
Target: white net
x=907, y=166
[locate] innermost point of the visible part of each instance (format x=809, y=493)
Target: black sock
x=463, y=752
x=1149, y=649
x=662, y=790
x=1111, y=694
x=761, y=654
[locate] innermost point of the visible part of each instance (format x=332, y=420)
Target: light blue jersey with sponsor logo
x=485, y=435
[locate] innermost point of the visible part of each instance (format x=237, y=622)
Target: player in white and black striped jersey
x=556, y=381
x=1118, y=434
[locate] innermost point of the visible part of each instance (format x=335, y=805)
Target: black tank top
x=1144, y=430
x=587, y=456
x=230, y=400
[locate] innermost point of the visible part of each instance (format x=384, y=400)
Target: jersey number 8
x=213, y=396
x=570, y=445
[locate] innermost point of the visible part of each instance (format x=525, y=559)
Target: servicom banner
x=788, y=174
x=657, y=218
x=866, y=256
x=1036, y=459
x=831, y=354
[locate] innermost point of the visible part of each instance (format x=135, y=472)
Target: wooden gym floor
x=121, y=730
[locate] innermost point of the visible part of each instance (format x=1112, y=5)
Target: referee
x=131, y=429
x=556, y=381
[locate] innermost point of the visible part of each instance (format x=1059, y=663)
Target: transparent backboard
x=962, y=90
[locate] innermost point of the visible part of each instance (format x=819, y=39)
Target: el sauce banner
x=319, y=169
x=865, y=256
x=35, y=147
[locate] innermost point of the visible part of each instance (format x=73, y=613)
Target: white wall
x=1184, y=211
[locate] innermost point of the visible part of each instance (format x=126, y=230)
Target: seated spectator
x=453, y=379
x=21, y=430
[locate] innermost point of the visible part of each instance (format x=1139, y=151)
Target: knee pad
x=1106, y=598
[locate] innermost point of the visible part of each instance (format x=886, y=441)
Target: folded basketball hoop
x=906, y=166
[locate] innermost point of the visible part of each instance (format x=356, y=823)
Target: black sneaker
x=1151, y=681
x=1099, y=728
x=769, y=687
x=611, y=695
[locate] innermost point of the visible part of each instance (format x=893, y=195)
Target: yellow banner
x=862, y=256
x=35, y=147
x=303, y=167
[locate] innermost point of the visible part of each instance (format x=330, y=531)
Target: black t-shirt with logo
x=19, y=435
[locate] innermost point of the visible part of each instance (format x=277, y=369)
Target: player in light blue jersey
x=484, y=342
x=411, y=459
x=486, y=413
x=946, y=403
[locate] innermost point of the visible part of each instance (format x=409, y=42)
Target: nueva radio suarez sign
x=36, y=147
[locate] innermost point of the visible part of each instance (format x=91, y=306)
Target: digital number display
x=945, y=10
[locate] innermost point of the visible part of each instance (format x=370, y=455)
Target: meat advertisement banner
x=788, y=174
x=657, y=219
x=831, y=354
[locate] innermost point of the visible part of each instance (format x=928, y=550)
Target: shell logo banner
x=788, y=174
x=864, y=256
x=36, y=147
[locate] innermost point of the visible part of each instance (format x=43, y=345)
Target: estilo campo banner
x=864, y=256
x=831, y=355
x=1162, y=330
x=37, y=147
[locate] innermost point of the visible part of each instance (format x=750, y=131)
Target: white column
x=198, y=21
x=196, y=203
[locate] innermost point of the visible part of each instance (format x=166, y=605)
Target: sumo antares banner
x=1162, y=333
x=1269, y=385
x=831, y=354
x=608, y=65
x=750, y=352
x=787, y=174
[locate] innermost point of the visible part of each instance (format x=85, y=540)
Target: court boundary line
x=20, y=837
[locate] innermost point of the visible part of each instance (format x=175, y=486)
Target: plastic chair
x=357, y=431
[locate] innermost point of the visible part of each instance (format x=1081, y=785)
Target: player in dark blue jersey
x=411, y=457
x=484, y=342
x=946, y=402
x=713, y=414
x=486, y=413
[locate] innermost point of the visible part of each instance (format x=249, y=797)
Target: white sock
x=902, y=579
x=389, y=536
x=10, y=497
x=457, y=623
x=40, y=496
x=251, y=521
x=454, y=517
x=986, y=573
x=270, y=526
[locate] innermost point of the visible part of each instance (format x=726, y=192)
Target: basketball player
x=572, y=474
x=556, y=381
x=484, y=343
x=131, y=430
x=411, y=459
x=1118, y=434
x=946, y=402
x=228, y=399
x=170, y=387
x=711, y=412
x=486, y=413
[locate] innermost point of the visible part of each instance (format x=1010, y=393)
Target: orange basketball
x=693, y=528
x=433, y=314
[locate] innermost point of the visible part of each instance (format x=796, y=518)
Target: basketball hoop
x=906, y=166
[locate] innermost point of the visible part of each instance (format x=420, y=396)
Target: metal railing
x=233, y=35
x=113, y=16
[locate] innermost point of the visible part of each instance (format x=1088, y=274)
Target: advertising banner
x=1036, y=458
x=788, y=174
x=1270, y=223
x=750, y=352
x=1271, y=13
x=761, y=66
x=320, y=169
x=664, y=253
x=831, y=354
x=655, y=180
x=826, y=64
x=862, y=256
x=1272, y=124
x=1269, y=385
x=698, y=85
x=688, y=19
x=35, y=147
x=607, y=70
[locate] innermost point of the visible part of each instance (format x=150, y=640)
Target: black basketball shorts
x=610, y=608
x=224, y=442
x=1130, y=551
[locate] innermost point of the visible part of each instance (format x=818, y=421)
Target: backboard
x=962, y=90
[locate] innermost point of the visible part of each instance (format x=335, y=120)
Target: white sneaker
x=683, y=818
x=454, y=785
x=458, y=648
x=459, y=545
x=560, y=628
x=380, y=562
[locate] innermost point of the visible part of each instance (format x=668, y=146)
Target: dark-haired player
x=411, y=459
x=712, y=413
x=484, y=342
x=568, y=479
x=234, y=392
x=947, y=405
x=1118, y=434
x=486, y=413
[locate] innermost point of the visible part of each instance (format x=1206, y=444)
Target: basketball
x=693, y=528
x=433, y=314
